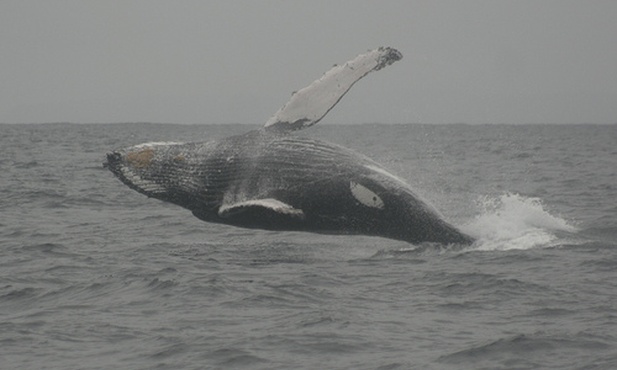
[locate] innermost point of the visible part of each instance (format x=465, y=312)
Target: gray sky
x=523, y=61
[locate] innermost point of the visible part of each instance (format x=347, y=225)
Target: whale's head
x=161, y=170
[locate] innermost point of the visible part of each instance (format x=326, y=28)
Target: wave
x=529, y=350
x=512, y=221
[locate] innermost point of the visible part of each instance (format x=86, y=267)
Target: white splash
x=512, y=221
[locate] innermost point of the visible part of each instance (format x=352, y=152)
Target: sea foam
x=513, y=221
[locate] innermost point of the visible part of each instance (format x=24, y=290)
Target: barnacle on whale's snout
x=140, y=158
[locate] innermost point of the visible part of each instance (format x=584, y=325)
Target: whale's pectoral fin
x=260, y=206
x=310, y=104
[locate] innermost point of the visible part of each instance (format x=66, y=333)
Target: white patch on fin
x=365, y=196
x=309, y=105
x=270, y=203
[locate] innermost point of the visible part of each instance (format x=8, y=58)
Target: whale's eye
x=365, y=196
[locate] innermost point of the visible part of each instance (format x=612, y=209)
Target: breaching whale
x=270, y=179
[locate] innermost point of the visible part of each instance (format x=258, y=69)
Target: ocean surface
x=94, y=275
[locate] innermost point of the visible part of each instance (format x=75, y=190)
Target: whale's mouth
x=113, y=158
x=114, y=162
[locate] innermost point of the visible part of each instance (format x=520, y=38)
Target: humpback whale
x=270, y=179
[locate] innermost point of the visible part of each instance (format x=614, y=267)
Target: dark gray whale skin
x=314, y=180
x=268, y=179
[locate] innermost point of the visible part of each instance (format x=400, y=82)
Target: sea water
x=94, y=275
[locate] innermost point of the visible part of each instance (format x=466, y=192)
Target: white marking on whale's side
x=365, y=196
